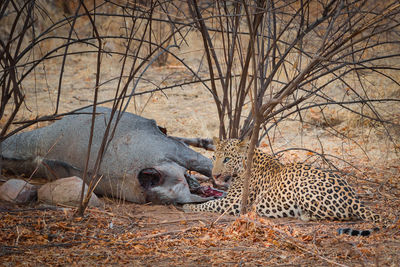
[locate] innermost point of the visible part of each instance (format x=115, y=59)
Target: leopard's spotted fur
x=277, y=190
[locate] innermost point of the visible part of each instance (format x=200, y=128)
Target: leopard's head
x=229, y=158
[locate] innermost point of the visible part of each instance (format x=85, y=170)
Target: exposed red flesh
x=208, y=191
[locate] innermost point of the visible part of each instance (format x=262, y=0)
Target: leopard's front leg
x=223, y=205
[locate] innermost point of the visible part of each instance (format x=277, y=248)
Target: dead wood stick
x=31, y=209
x=4, y=250
x=183, y=220
x=160, y=234
x=173, y=221
x=95, y=210
x=205, y=143
x=239, y=248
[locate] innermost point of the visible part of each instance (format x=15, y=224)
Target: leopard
x=278, y=190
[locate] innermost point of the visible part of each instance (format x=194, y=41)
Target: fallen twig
x=31, y=209
x=6, y=250
x=160, y=234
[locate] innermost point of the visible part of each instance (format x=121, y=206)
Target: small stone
x=18, y=191
x=66, y=191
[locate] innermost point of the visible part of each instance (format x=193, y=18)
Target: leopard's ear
x=216, y=141
x=244, y=145
x=247, y=138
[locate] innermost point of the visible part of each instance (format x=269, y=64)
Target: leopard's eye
x=226, y=159
x=213, y=158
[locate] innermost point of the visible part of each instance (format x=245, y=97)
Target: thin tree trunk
x=249, y=165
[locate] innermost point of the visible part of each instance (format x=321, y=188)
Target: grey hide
x=141, y=163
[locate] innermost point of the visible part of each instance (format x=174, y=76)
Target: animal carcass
x=140, y=164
